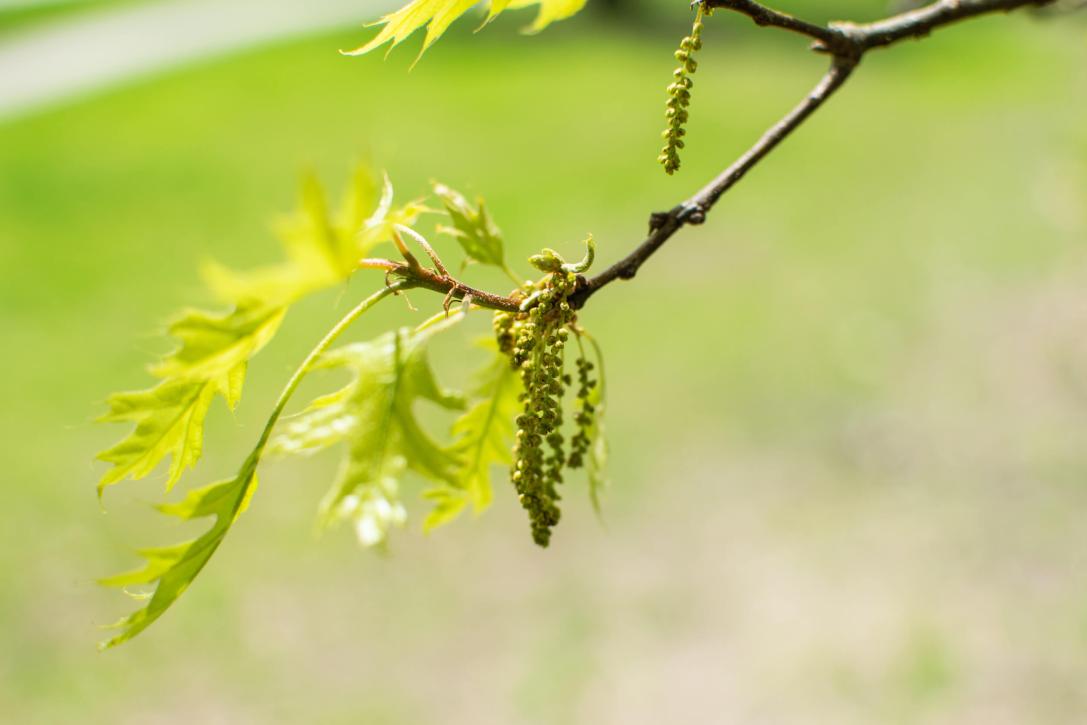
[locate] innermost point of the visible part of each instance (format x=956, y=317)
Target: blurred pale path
x=95, y=50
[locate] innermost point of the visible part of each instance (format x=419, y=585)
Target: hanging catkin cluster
x=586, y=417
x=535, y=339
x=679, y=97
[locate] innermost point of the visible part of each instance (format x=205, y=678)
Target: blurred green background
x=848, y=416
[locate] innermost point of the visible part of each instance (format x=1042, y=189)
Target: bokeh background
x=848, y=416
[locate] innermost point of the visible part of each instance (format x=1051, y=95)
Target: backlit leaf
x=484, y=435
x=438, y=15
x=169, y=421
x=214, y=346
x=447, y=502
x=322, y=250
x=550, y=11
x=473, y=228
x=211, y=359
x=374, y=416
x=171, y=569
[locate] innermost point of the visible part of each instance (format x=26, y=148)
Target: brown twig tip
x=416, y=276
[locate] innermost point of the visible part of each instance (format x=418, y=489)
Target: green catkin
x=679, y=97
x=586, y=417
x=504, y=333
x=535, y=339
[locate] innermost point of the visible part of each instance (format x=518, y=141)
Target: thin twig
x=844, y=38
x=836, y=76
x=764, y=16
x=417, y=276
x=922, y=21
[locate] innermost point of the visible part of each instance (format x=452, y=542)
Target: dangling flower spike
x=679, y=97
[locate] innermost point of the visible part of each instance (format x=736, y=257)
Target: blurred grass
x=845, y=414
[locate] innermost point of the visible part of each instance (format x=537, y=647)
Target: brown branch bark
x=415, y=276
x=919, y=23
x=764, y=16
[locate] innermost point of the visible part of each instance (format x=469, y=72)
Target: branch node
x=693, y=214
x=658, y=219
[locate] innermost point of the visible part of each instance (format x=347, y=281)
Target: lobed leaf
x=211, y=359
x=374, y=415
x=550, y=11
x=473, y=229
x=438, y=15
x=322, y=249
x=448, y=503
x=484, y=435
x=169, y=421
x=172, y=568
x=214, y=348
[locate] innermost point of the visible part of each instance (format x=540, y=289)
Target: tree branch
x=846, y=43
x=919, y=23
x=764, y=16
x=836, y=76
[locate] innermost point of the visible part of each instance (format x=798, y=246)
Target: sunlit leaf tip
x=550, y=11
x=438, y=15
x=169, y=418
x=171, y=569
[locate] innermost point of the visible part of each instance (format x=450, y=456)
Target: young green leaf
x=438, y=15
x=447, y=504
x=169, y=421
x=550, y=11
x=374, y=415
x=322, y=250
x=474, y=229
x=484, y=436
x=172, y=569
x=214, y=348
x=169, y=417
